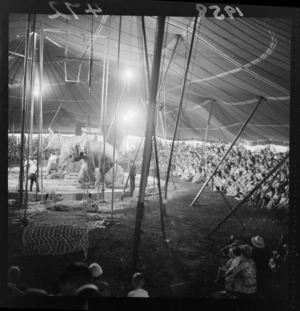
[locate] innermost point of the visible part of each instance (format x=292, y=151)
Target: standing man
x=32, y=174
x=132, y=176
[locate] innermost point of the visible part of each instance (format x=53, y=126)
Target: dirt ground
x=186, y=267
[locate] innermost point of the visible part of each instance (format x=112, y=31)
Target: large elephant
x=93, y=170
x=63, y=145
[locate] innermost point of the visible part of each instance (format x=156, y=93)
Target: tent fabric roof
x=233, y=63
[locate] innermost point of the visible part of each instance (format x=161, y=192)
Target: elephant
x=63, y=145
x=119, y=177
x=93, y=170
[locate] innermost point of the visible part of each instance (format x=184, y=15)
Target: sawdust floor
x=187, y=270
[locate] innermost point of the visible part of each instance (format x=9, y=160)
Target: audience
x=237, y=175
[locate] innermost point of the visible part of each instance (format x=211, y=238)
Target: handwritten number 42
x=69, y=6
x=202, y=9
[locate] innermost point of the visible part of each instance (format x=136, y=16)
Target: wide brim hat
x=258, y=241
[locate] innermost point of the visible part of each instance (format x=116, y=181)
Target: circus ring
x=70, y=230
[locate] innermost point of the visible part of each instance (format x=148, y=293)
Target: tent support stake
x=223, y=158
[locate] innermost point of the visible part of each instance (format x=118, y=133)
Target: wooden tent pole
x=115, y=123
x=170, y=61
x=161, y=207
x=23, y=118
x=179, y=111
x=148, y=137
x=146, y=51
x=101, y=117
x=162, y=212
x=33, y=75
x=129, y=174
x=247, y=196
x=221, y=161
x=206, y=131
x=30, y=119
x=41, y=104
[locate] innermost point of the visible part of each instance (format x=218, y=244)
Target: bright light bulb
x=126, y=118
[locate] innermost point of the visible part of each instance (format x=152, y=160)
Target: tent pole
x=41, y=104
x=115, y=123
x=162, y=212
x=134, y=160
x=104, y=128
x=33, y=62
x=247, y=196
x=221, y=161
x=21, y=176
x=170, y=61
x=25, y=221
x=148, y=137
x=206, y=132
x=101, y=118
x=179, y=111
x=266, y=191
x=146, y=51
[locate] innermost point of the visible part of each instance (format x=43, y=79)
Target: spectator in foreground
x=97, y=274
x=241, y=281
x=231, y=264
x=73, y=277
x=261, y=257
x=138, y=283
x=13, y=279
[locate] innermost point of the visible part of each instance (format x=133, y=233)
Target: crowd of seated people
x=239, y=173
x=77, y=280
x=250, y=270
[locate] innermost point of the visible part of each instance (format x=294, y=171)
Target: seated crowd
x=237, y=175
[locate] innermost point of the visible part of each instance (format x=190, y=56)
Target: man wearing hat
x=261, y=257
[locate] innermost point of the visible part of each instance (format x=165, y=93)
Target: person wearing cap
x=97, y=274
x=261, y=257
x=32, y=174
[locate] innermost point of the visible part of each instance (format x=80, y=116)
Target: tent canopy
x=233, y=64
